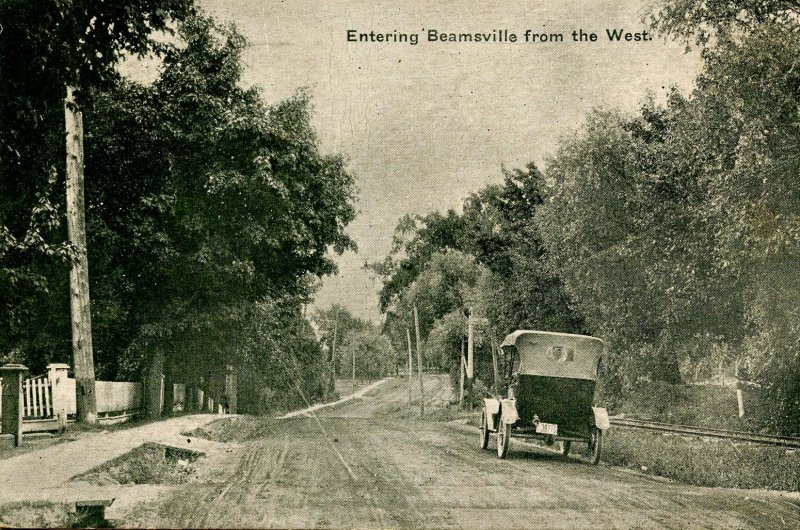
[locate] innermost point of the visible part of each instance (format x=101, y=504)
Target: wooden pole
x=470, y=347
x=495, y=367
x=354, y=365
x=461, y=373
x=419, y=364
x=410, y=366
x=740, y=401
x=83, y=359
x=333, y=346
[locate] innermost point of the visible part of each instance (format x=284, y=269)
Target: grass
x=701, y=461
x=40, y=514
x=703, y=406
x=235, y=429
x=150, y=463
x=704, y=461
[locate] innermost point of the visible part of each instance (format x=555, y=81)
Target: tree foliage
x=675, y=230
x=489, y=259
x=347, y=337
x=672, y=232
x=205, y=206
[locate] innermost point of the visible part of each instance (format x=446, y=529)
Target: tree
x=204, y=205
x=522, y=291
x=745, y=108
x=228, y=200
x=702, y=21
x=92, y=38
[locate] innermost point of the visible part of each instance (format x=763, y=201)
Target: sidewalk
x=44, y=474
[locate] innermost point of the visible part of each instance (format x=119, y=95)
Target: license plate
x=547, y=428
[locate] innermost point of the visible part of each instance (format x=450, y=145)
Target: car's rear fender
x=492, y=408
x=508, y=411
x=601, y=420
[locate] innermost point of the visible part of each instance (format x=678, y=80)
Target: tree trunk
x=169, y=388
x=83, y=358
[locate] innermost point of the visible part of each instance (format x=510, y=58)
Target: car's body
x=550, y=380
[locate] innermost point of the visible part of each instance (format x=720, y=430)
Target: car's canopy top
x=551, y=354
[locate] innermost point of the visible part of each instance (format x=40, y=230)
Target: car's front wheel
x=484, y=429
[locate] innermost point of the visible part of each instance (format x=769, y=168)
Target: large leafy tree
x=204, y=204
x=521, y=291
x=490, y=258
x=226, y=200
x=746, y=109
x=46, y=45
x=675, y=229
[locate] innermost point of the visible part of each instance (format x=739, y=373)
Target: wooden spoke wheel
x=503, y=435
x=484, y=429
x=595, y=445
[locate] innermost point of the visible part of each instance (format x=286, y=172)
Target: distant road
x=379, y=466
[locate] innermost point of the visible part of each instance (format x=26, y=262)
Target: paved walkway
x=44, y=474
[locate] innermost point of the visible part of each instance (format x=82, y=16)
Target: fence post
x=12, y=400
x=57, y=375
x=230, y=389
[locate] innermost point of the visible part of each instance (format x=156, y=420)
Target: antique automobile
x=550, y=381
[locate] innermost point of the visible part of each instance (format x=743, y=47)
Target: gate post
x=57, y=374
x=154, y=390
x=12, y=400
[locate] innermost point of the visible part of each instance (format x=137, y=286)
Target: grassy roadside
x=704, y=461
x=43, y=515
x=689, y=459
x=709, y=406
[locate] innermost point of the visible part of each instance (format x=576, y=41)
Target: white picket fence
x=48, y=401
x=37, y=398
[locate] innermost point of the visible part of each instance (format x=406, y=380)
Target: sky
x=425, y=125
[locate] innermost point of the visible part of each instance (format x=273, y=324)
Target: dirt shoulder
x=44, y=473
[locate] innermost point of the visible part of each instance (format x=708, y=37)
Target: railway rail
x=764, y=439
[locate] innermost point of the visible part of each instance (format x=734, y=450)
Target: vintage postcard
x=400, y=264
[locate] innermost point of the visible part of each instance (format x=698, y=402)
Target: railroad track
x=765, y=439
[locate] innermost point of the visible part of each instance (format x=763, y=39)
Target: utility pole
x=333, y=346
x=419, y=365
x=354, y=366
x=470, y=346
x=495, y=366
x=83, y=359
x=462, y=368
x=410, y=366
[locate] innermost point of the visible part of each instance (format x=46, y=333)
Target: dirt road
x=369, y=463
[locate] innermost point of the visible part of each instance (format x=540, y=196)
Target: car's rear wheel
x=503, y=434
x=484, y=429
x=595, y=445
